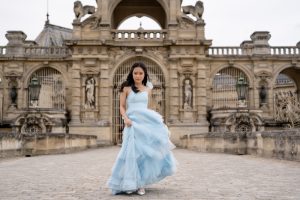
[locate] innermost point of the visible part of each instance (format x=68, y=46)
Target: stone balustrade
x=238, y=51
x=38, y=51
x=152, y=35
x=285, y=50
x=47, y=51
x=129, y=35
x=225, y=51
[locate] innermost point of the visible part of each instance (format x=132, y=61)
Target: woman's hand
x=127, y=122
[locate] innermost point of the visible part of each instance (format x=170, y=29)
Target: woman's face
x=138, y=75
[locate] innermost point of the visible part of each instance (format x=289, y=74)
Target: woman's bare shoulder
x=126, y=89
x=148, y=89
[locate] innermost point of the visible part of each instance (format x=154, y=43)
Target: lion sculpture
x=80, y=10
x=196, y=10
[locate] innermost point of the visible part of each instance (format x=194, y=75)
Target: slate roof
x=53, y=35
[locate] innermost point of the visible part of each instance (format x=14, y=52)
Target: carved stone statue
x=187, y=94
x=196, y=11
x=97, y=15
x=13, y=95
x=90, y=93
x=80, y=10
x=262, y=95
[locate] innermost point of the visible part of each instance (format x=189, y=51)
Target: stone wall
x=270, y=144
x=275, y=144
x=24, y=145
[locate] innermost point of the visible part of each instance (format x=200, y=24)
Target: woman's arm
x=150, y=100
x=123, y=97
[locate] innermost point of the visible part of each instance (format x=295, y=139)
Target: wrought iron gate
x=52, y=92
x=158, y=92
x=224, y=93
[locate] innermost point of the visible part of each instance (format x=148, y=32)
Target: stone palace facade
x=80, y=70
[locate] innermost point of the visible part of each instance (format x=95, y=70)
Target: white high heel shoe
x=141, y=191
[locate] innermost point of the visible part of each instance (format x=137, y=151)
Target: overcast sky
x=228, y=22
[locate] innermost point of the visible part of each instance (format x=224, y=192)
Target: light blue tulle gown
x=145, y=156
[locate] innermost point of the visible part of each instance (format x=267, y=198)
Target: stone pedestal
x=16, y=40
x=188, y=115
x=89, y=116
x=260, y=42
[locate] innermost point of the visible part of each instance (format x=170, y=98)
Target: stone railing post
x=15, y=46
x=260, y=41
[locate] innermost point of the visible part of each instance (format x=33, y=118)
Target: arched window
x=285, y=83
x=52, y=92
x=224, y=93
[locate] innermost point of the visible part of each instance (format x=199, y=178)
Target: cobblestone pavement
x=83, y=175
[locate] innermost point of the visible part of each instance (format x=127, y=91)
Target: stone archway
x=286, y=97
x=150, y=8
x=158, y=93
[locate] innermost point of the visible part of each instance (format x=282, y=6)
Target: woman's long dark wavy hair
x=130, y=82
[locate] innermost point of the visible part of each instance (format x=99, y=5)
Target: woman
x=145, y=156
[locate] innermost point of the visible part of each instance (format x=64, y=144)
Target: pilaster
x=76, y=94
x=174, y=91
x=105, y=93
x=201, y=93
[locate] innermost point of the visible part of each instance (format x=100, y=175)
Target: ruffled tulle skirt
x=145, y=156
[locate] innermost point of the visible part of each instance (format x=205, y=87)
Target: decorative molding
x=263, y=75
x=33, y=123
x=13, y=74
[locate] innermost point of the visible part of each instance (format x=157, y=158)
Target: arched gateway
x=158, y=93
x=173, y=56
x=198, y=88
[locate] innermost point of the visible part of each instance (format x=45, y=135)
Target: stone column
x=1, y=105
x=105, y=93
x=105, y=28
x=201, y=97
x=174, y=11
x=271, y=101
x=76, y=101
x=174, y=92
